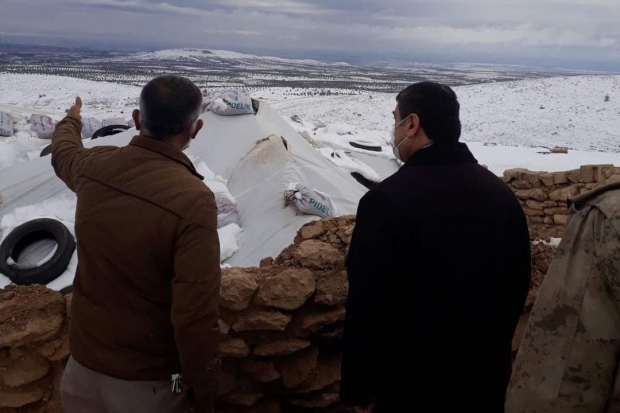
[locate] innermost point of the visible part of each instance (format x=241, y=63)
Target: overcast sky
x=563, y=33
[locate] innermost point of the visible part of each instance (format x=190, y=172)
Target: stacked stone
x=281, y=325
x=34, y=347
x=544, y=195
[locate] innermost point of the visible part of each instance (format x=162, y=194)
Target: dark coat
x=146, y=291
x=439, y=270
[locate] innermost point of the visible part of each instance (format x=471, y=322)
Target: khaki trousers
x=86, y=391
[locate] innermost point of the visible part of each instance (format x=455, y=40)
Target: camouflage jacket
x=568, y=360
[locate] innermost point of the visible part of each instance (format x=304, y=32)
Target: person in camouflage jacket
x=568, y=360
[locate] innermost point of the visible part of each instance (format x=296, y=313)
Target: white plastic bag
x=309, y=201
x=90, y=126
x=6, y=124
x=231, y=103
x=42, y=126
x=114, y=121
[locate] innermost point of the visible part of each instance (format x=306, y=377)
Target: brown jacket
x=568, y=360
x=146, y=291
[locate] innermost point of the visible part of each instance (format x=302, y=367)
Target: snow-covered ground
x=519, y=117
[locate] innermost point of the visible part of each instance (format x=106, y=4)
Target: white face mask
x=396, y=148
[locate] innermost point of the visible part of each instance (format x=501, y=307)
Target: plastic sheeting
x=257, y=165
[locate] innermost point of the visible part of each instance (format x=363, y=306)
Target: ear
x=199, y=126
x=413, y=125
x=135, y=115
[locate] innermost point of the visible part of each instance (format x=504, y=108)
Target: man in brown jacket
x=146, y=291
x=568, y=360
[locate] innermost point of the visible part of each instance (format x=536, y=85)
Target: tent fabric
x=258, y=154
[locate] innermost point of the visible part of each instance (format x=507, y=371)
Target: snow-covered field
x=519, y=117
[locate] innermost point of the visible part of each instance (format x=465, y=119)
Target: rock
x=63, y=351
x=326, y=374
x=512, y=174
x=312, y=230
x=590, y=187
x=20, y=368
x=560, y=178
x=521, y=184
x=533, y=212
x=68, y=301
x=547, y=179
x=288, y=290
x=296, y=369
x=318, y=255
x=531, y=177
x=224, y=327
x=532, y=194
x=589, y=174
x=266, y=262
x=560, y=219
x=550, y=204
x=22, y=396
x=536, y=220
x=281, y=347
x=235, y=348
x=228, y=379
x=316, y=401
x=549, y=220
x=237, y=289
x=33, y=314
x=246, y=398
x=332, y=288
x=262, y=371
x=556, y=211
x=262, y=320
x=310, y=322
x=535, y=204
x=613, y=179
x=565, y=193
x=574, y=176
x=264, y=406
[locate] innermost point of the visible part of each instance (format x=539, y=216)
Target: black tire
x=372, y=148
x=30, y=232
x=46, y=151
x=109, y=130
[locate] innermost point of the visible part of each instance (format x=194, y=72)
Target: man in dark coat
x=439, y=270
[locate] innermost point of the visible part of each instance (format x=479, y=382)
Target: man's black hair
x=169, y=105
x=437, y=107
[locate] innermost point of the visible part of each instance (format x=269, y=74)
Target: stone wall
x=281, y=327
x=543, y=195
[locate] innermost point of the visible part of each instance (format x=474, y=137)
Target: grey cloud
x=582, y=33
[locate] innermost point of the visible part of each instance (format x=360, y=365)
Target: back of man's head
x=437, y=107
x=169, y=105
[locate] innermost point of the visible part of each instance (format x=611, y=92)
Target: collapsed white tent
x=258, y=154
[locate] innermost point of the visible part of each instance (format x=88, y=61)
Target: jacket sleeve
x=368, y=261
x=68, y=153
x=195, y=302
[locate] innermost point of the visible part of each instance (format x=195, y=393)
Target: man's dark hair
x=169, y=105
x=437, y=107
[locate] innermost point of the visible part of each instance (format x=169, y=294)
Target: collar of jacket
x=166, y=150
x=578, y=202
x=442, y=154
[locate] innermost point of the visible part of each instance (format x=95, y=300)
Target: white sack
x=231, y=103
x=42, y=126
x=6, y=124
x=309, y=201
x=90, y=126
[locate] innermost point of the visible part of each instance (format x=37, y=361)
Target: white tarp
x=6, y=124
x=258, y=173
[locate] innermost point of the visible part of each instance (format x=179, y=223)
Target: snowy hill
x=203, y=55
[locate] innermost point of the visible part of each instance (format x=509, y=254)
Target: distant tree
x=606, y=98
